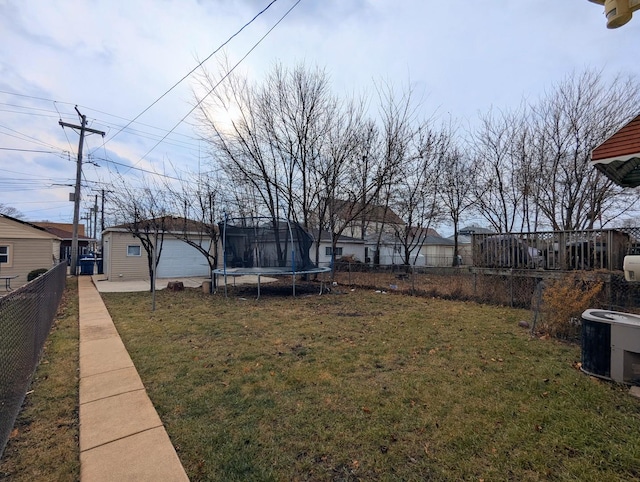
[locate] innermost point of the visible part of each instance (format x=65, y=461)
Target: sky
x=113, y=59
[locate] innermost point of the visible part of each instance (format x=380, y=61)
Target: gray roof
x=473, y=229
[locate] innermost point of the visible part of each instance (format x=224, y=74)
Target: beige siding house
x=123, y=256
x=23, y=248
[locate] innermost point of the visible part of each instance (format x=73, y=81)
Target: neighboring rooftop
x=474, y=229
x=60, y=230
x=66, y=227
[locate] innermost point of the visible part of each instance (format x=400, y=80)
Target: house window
x=328, y=251
x=4, y=254
x=133, y=250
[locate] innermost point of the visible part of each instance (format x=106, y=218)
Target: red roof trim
x=623, y=144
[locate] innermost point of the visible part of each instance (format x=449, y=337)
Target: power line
x=23, y=107
x=136, y=168
x=26, y=137
x=17, y=172
x=34, y=114
x=31, y=150
x=105, y=122
x=136, y=122
x=65, y=132
x=30, y=96
x=196, y=67
x=152, y=136
x=221, y=80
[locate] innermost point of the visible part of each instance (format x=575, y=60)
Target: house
x=124, y=257
x=25, y=247
x=437, y=251
x=433, y=249
x=465, y=241
x=345, y=247
x=383, y=249
x=64, y=231
x=372, y=220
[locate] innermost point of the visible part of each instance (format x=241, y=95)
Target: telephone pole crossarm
x=86, y=129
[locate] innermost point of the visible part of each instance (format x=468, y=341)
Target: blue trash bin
x=86, y=266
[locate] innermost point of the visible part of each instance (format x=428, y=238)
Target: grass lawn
x=371, y=386
x=44, y=443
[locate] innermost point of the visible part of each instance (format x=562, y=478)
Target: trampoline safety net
x=264, y=243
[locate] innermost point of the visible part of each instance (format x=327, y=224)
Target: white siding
x=177, y=259
x=348, y=249
x=180, y=260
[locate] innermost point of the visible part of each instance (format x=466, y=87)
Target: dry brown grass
x=44, y=443
x=358, y=385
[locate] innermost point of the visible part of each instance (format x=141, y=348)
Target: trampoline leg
x=258, y=288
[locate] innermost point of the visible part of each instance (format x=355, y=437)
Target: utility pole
x=95, y=219
x=76, y=200
x=102, y=214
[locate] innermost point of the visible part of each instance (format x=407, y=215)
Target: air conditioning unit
x=631, y=267
x=611, y=345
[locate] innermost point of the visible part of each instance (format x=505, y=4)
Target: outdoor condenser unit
x=611, y=345
x=632, y=267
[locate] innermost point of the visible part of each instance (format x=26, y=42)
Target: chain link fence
x=26, y=316
x=509, y=287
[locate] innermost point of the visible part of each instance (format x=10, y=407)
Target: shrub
x=35, y=273
x=563, y=302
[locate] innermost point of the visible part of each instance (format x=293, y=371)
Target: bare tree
x=198, y=200
x=405, y=144
x=576, y=116
x=457, y=173
x=10, y=211
x=296, y=110
x=347, y=174
x=275, y=135
x=416, y=198
x=232, y=125
x=303, y=153
x=497, y=192
x=142, y=211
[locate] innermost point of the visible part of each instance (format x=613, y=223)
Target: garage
x=180, y=260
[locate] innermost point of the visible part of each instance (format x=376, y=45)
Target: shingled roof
x=372, y=212
x=619, y=156
x=171, y=224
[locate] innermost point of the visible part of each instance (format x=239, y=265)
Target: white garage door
x=179, y=260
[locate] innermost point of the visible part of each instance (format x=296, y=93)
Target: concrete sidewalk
x=121, y=436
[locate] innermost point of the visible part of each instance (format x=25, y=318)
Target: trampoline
x=261, y=246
